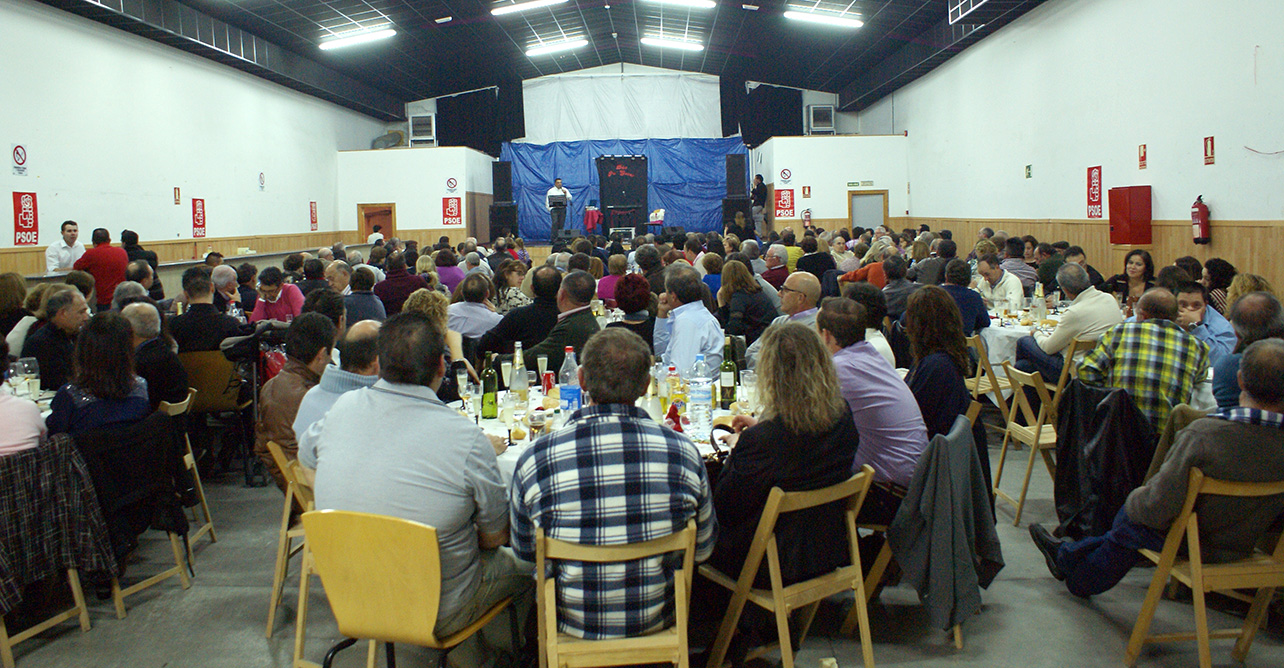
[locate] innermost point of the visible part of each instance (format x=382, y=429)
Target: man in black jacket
x=54, y=344
x=201, y=326
x=154, y=361
x=529, y=324
x=129, y=241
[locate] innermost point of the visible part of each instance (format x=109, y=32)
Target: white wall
x=1078, y=83
x=415, y=179
x=113, y=122
x=828, y=164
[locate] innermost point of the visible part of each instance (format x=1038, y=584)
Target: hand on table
x=498, y=442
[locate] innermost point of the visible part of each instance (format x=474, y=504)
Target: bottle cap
x=570, y=349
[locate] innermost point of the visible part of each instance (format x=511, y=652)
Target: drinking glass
x=31, y=372
x=475, y=398
x=14, y=376
x=506, y=371
x=461, y=383
x=749, y=390
x=542, y=362
x=508, y=409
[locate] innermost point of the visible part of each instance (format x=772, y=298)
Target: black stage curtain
x=731, y=91
x=471, y=120
x=512, y=111
x=771, y=112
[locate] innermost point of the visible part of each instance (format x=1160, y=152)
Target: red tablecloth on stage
x=592, y=218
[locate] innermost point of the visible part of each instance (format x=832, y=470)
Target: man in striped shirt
x=611, y=476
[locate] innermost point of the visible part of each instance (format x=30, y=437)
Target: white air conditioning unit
x=423, y=130
x=820, y=119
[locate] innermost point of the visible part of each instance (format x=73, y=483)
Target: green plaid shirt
x=1156, y=361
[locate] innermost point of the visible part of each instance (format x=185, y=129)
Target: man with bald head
x=1255, y=316
x=359, y=358
x=1154, y=359
x=799, y=295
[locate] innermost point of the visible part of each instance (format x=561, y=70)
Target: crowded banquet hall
x=557, y=334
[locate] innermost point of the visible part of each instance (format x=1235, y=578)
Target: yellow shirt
x=795, y=252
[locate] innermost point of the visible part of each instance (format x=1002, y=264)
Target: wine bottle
x=727, y=377
x=490, y=390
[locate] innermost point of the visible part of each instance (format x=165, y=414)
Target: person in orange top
x=872, y=272
x=107, y=264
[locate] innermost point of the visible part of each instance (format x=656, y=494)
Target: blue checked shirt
x=1156, y=361
x=612, y=476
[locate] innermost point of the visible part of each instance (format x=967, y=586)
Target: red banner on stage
x=1094, y=192
x=312, y=207
x=198, y=218
x=452, y=214
x=785, y=203
x=26, y=224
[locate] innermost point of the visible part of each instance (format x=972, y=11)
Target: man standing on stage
x=557, y=212
x=759, y=210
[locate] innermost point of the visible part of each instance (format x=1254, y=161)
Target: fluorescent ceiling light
x=825, y=18
x=667, y=43
x=555, y=47
x=695, y=4
x=356, y=37
x=524, y=6
x=444, y=19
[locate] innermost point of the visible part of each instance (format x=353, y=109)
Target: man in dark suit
x=135, y=252
x=154, y=360
x=529, y=324
x=575, y=323
x=54, y=344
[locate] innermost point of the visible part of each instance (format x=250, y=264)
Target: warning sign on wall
x=198, y=218
x=452, y=214
x=785, y=203
x=1094, y=192
x=26, y=223
x=312, y=207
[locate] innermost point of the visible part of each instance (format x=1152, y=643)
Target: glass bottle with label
x=490, y=389
x=727, y=377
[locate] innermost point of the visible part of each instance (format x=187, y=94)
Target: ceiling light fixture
x=444, y=19
x=555, y=47
x=752, y=8
x=354, y=37
x=667, y=43
x=524, y=6
x=694, y=4
x=825, y=18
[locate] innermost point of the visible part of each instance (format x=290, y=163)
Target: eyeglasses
x=784, y=288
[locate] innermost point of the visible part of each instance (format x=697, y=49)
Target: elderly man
x=227, y=296
x=339, y=276
x=1255, y=316
x=776, y=261
x=575, y=322
x=1206, y=324
x=201, y=326
x=556, y=486
x=898, y=287
x=1243, y=444
x=799, y=295
x=106, y=263
x=154, y=361
x=1014, y=263
x=684, y=327
x=307, y=351
x=474, y=316
x=359, y=367
x=442, y=473
x=127, y=292
x=999, y=288
x=54, y=345
x=141, y=273
x=1091, y=314
x=62, y=255
x=531, y=323
x=278, y=300
x=887, y=417
x=398, y=285
x=1154, y=359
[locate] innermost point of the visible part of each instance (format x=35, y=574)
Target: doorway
x=867, y=208
x=383, y=215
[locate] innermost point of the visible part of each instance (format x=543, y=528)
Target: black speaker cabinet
x=737, y=176
x=503, y=220
x=670, y=232
x=501, y=179
x=732, y=205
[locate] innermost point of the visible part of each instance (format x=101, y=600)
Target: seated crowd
x=378, y=341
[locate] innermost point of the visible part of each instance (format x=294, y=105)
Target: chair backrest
x=214, y=378
x=382, y=574
x=973, y=412
x=1068, y=368
x=1178, y=419
x=1021, y=380
x=297, y=485
x=681, y=541
x=1199, y=484
x=983, y=367
x=178, y=408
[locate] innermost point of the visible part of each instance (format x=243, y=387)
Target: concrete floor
x=1029, y=619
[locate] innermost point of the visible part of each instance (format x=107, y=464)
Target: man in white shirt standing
x=999, y=288
x=63, y=254
x=375, y=234
x=558, y=213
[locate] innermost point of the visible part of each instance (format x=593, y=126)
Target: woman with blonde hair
x=1243, y=284
x=616, y=265
x=804, y=438
x=743, y=308
x=597, y=268
x=919, y=250
x=436, y=306
x=875, y=252
x=519, y=249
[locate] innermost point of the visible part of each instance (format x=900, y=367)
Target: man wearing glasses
x=799, y=295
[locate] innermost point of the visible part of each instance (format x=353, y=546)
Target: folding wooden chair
x=78, y=611
x=559, y=650
x=303, y=489
x=782, y=600
x=286, y=547
x=985, y=381
x=189, y=461
x=1263, y=572
x=1038, y=432
x=1072, y=351
x=218, y=389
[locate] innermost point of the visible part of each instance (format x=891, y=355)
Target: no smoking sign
x=19, y=157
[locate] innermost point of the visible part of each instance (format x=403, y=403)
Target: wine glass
x=542, y=362
x=749, y=390
x=14, y=376
x=475, y=399
x=506, y=372
x=31, y=372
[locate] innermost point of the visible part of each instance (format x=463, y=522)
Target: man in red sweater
x=106, y=264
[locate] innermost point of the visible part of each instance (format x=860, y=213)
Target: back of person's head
x=138, y=271
x=787, y=236
x=424, y=264
x=363, y=279
x=796, y=380
x=933, y=324
x=292, y=262
x=377, y=254
x=104, y=358
x=472, y=259
x=13, y=290
x=844, y=319
x=1060, y=246
x=809, y=244
x=947, y=249
x=581, y=245
x=271, y=276
x=359, y=347
x=1045, y=249
x=327, y=302
x=475, y=288
x=545, y=282
x=647, y=257
x=946, y=234
x=633, y=293
x=308, y=335
x=411, y=346
x=779, y=252
x=1261, y=372
x=126, y=290
x=871, y=299
x=1157, y=304
x=223, y=277
x=1073, y=279
x=100, y=236
x=712, y=263
x=1171, y=277
x=128, y=238
x=432, y=303
x=143, y=318
x=750, y=248
x=579, y=262
x=617, y=265
x=683, y=282
x=31, y=303
x=1015, y=247
x=396, y=261
x=246, y=273
x=1220, y=273
x=197, y=282
x=314, y=269
x=82, y=281
x=957, y=272
x=579, y=286
x=1256, y=316
x=446, y=258
x=616, y=365
x=1243, y=284
x=894, y=267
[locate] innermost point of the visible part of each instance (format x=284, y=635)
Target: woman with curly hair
x=1218, y=274
x=633, y=295
x=1243, y=284
x=436, y=306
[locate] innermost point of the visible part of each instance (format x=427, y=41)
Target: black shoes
x=1048, y=546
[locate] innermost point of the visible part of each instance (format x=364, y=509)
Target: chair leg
x=334, y=651
x=1048, y=460
x=1025, y=485
x=875, y=576
x=390, y=653
x=1003, y=457
x=1141, y=631
x=862, y=617
x=1201, y=628
x=786, y=643
x=6, y=650
x=958, y=636
x=117, y=598
x=441, y=658
x=177, y=548
x=727, y=630
x=301, y=618
x=1256, y=613
x=282, y=565
x=78, y=596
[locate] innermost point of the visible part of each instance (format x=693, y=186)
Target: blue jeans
x=1094, y=565
x=1031, y=358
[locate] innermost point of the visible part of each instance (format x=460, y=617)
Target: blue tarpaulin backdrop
x=687, y=178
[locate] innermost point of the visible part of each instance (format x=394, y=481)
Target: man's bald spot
x=805, y=283
x=1157, y=304
x=366, y=329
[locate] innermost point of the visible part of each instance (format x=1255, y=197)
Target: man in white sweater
x=1091, y=314
x=999, y=288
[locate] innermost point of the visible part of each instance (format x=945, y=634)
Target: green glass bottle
x=490, y=390
x=727, y=377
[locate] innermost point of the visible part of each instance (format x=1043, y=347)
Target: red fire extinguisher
x=806, y=217
x=1199, y=225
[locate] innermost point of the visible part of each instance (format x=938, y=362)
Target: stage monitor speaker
x=564, y=236
x=737, y=176
x=501, y=180
x=677, y=231
x=731, y=205
x=503, y=220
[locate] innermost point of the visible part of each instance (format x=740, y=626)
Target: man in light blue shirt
x=473, y=316
x=359, y=367
x=684, y=328
x=1204, y=323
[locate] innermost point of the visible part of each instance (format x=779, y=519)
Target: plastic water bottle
x=700, y=396
x=569, y=384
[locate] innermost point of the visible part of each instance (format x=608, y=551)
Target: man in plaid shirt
x=612, y=476
x=1154, y=359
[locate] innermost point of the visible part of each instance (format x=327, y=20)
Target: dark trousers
x=1031, y=358
x=1094, y=565
x=558, y=215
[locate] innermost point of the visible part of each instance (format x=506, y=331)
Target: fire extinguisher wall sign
x=1199, y=225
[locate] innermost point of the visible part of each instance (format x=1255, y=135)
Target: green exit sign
x=1028, y=171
